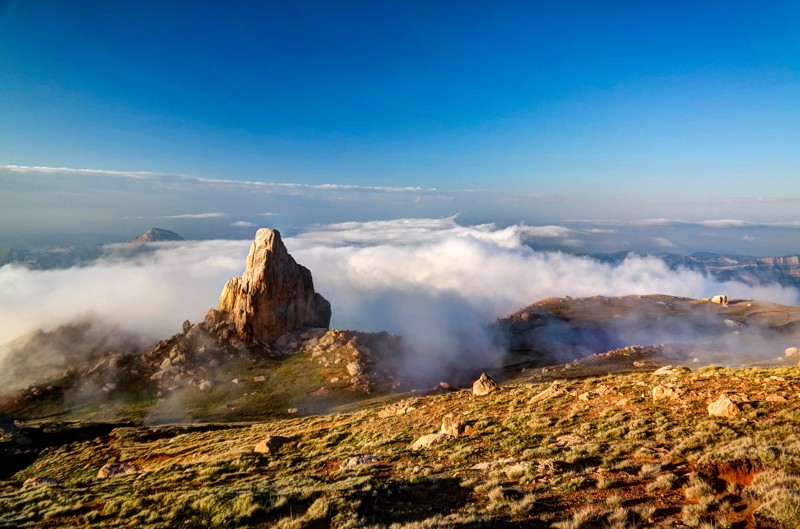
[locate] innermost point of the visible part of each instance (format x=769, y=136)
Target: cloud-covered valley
x=433, y=280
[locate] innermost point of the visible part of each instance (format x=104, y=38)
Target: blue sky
x=581, y=110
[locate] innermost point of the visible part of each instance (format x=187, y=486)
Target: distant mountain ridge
x=751, y=270
x=157, y=235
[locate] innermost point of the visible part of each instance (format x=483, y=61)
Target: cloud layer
x=434, y=281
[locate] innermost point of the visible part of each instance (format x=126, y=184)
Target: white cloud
x=74, y=171
x=269, y=214
x=546, y=231
x=196, y=216
x=243, y=224
x=725, y=223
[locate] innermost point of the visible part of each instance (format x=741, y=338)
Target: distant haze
x=42, y=206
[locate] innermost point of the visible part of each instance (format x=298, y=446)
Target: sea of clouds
x=434, y=281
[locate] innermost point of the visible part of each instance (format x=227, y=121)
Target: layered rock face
x=274, y=296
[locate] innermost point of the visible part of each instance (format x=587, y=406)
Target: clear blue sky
x=622, y=99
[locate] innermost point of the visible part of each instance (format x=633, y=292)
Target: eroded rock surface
x=274, y=295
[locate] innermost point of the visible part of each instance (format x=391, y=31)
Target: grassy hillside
x=568, y=452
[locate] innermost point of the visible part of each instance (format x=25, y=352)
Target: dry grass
x=561, y=462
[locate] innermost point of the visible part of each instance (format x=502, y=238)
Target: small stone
x=260, y=378
x=205, y=385
x=585, y=397
x=235, y=381
x=776, y=398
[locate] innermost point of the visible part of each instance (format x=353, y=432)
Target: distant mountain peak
x=157, y=234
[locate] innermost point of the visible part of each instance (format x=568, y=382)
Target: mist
x=434, y=281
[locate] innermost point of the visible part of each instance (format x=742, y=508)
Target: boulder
x=358, y=461
x=274, y=295
x=720, y=299
x=113, y=470
x=32, y=483
x=484, y=385
x=355, y=368
x=430, y=440
x=671, y=370
x=452, y=425
x=270, y=444
x=723, y=407
x=664, y=392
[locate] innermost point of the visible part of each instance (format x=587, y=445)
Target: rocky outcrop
x=484, y=385
x=155, y=235
x=274, y=296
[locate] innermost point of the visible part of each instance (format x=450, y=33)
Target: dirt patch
x=740, y=472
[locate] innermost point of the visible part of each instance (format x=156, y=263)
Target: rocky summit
x=274, y=296
x=156, y=235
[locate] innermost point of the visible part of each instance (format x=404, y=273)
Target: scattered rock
x=270, y=444
x=452, y=425
x=114, y=470
x=32, y=483
x=274, y=295
x=358, y=461
x=259, y=378
x=324, y=391
x=205, y=385
x=776, y=398
x=404, y=407
x=491, y=465
x=430, y=440
x=554, y=390
x=671, y=370
x=484, y=385
x=569, y=440
x=733, y=324
x=355, y=368
x=585, y=396
x=723, y=407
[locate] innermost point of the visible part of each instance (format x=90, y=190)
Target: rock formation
x=274, y=296
x=157, y=234
x=484, y=385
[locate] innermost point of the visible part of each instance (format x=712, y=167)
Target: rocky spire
x=275, y=295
